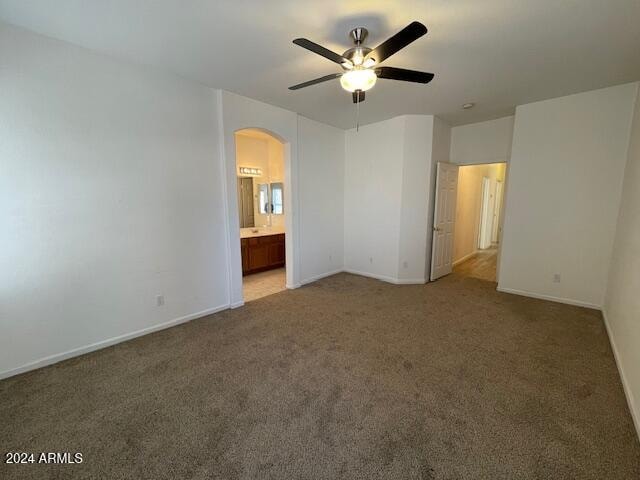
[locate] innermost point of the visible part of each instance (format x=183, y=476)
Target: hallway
x=483, y=265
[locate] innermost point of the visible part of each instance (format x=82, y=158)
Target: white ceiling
x=496, y=53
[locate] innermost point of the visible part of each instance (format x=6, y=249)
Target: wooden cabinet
x=276, y=253
x=244, y=252
x=262, y=253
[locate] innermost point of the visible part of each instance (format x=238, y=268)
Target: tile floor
x=261, y=284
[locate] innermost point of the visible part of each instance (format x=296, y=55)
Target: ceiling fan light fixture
x=362, y=79
x=357, y=57
x=368, y=63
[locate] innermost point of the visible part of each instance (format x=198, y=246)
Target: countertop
x=251, y=232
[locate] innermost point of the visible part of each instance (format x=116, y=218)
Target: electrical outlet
x=330, y=257
x=405, y=264
x=556, y=278
x=370, y=259
x=159, y=300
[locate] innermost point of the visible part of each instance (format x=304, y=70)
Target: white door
x=444, y=220
x=497, y=205
x=486, y=215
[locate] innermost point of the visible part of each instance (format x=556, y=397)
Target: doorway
x=473, y=216
x=260, y=168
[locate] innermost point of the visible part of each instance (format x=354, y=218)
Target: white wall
x=321, y=150
x=110, y=194
x=116, y=185
x=483, y=142
x=117, y=180
x=388, y=193
x=565, y=181
x=239, y=112
x=236, y=113
x=372, y=198
x=415, y=192
x=622, y=304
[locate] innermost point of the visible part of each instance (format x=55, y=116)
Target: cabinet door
x=276, y=253
x=244, y=252
x=258, y=256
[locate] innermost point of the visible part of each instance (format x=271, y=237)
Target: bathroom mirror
x=245, y=202
x=271, y=198
x=263, y=198
x=277, y=199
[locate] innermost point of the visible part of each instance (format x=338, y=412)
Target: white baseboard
x=384, y=278
x=315, y=278
x=568, y=301
x=409, y=281
x=237, y=304
x=465, y=258
x=371, y=275
x=635, y=415
x=58, y=357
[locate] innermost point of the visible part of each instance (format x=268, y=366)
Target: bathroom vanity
x=262, y=249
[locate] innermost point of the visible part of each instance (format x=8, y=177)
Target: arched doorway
x=260, y=168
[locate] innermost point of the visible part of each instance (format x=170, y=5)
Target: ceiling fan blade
x=358, y=96
x=316, y=80
x=404, y=37
x=405, y=75
x=320, y=50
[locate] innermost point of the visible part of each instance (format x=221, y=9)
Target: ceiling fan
x=360, y=64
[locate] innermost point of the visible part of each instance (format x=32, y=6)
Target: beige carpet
x=346, y=378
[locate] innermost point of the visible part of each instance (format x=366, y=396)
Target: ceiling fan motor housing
x=356, y=54
x=358, y=35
